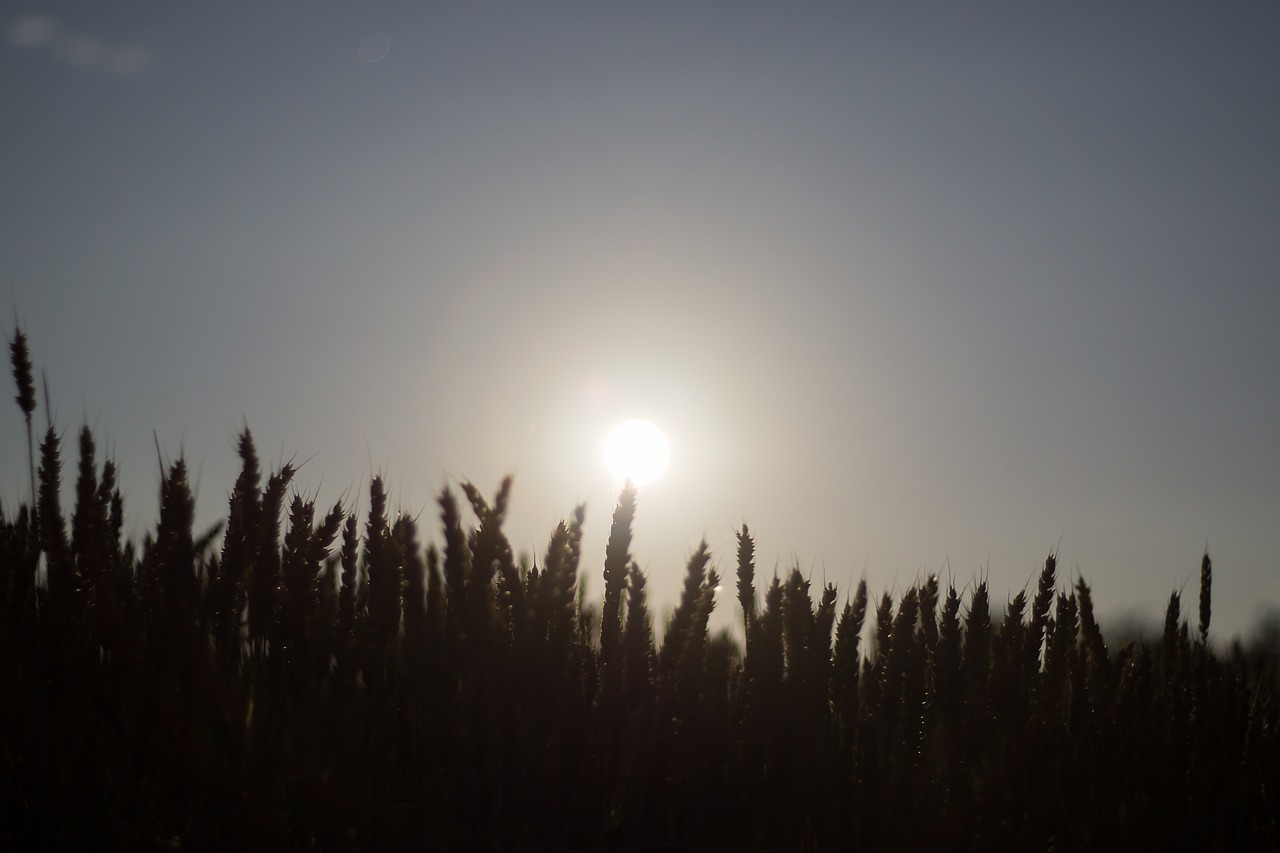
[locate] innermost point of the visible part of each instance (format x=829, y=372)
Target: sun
x=637, y=451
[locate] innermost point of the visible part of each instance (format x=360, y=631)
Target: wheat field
x=302, y=678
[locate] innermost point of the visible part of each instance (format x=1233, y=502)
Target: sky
x=910, y=288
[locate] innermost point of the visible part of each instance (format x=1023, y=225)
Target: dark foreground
x=269, y=695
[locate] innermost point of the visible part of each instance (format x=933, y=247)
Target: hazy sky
x=910, y=288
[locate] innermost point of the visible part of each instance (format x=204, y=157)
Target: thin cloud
x=78, y=49
x=81, y=50
x=127, y=61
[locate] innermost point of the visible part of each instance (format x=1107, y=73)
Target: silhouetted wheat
x=277, y=695
x=23, y=377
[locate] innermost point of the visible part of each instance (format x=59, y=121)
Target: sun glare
x=636, y=451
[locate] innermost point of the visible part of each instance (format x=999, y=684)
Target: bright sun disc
x=636, y=451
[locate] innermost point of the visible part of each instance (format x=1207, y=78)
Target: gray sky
x=909, y=288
